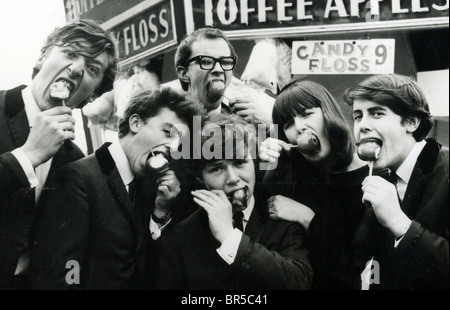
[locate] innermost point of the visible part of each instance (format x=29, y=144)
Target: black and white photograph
x=224, y=152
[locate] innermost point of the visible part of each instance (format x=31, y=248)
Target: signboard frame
x=294, y=31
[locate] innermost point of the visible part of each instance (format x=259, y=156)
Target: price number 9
x=381, y=53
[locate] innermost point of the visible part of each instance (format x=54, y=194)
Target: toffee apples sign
x=264, y=18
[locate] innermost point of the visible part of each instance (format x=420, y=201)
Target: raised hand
x=219, y=210
x=168, y=190
x=51, y=128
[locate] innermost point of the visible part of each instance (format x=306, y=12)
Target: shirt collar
x=31, y=107
x=117, y=153
x=248, y=211
x=405, y=170
x=216, y=110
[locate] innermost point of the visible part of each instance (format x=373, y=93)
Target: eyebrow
x=167, y=124
x=372, y=109
x=96, y=62
x=214, y=163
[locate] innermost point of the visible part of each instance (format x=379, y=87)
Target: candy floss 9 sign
x=343, y=57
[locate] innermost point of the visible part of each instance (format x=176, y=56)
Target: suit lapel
x=115, y=182
x=416, y=185
x=256, y=223
x=15, y=111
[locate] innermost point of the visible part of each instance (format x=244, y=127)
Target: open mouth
x=371, y=139
x=61, y=89
x=238, y=198
x=215, y=89
x=157, y=161
x=308, y=143
x=369, y=149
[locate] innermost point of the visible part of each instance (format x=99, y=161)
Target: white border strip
x=129, y=13
x=189, y=15
x=321, y=29
x=174, y=25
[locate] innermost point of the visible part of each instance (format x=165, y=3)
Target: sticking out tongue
x=215, y=90
x=59, y=91
x=308, y=143
x=369, y=149
x=158, y=163
x=238, y=199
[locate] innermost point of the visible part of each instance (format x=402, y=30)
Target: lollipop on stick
x=368, y=150
x=308, y=143
x=238, y=199
x=59, y=91
x=158, y=163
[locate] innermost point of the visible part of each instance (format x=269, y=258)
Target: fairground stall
x=337, y=43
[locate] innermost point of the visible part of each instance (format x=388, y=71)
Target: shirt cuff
x=230, y=246
x=155, y=230
x=399, y=239
x=27, y=167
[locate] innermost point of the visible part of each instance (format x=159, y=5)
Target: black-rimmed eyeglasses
x=208, y=62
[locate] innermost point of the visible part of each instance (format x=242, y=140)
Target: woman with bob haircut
x=317, y=182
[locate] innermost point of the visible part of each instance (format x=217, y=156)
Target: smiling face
x=372, y=120
x=311, y=121
x=197, y=78
x=81, y=74
x=230, y=175
x=158, y=134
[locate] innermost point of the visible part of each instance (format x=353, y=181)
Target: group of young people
x=315, y=221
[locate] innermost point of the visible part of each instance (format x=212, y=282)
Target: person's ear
x=40, y=61
x=183, y=74
x=412, y=123
x=135, y=123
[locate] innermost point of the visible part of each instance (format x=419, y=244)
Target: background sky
x=24, y=25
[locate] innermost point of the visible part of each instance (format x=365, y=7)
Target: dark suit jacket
x=17, y=202
x=91, y=219
x=271, y=255
x=421, y=259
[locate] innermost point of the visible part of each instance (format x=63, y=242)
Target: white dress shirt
x=127, y=175
x=406, y=169
x=404, y=173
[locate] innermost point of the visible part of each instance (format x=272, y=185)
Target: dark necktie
x=393, y=178
x=237, y=220
x=132, y=190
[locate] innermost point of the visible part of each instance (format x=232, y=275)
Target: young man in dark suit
x=99, y=225
x=412, y=210
x=34, y=125
x=205, y=251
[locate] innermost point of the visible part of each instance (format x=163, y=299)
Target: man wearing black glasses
x=204, y=63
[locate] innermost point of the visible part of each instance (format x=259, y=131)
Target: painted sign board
x=343, y=57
